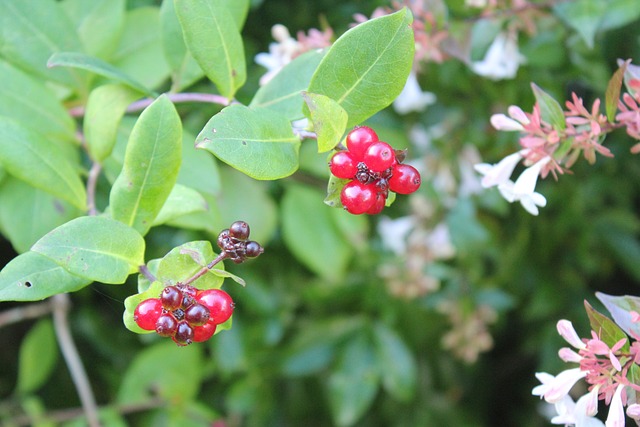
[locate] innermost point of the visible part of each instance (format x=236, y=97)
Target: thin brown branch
x=30, y=311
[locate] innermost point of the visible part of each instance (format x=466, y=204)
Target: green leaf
x=32, y=31
x=151, y=165
x=105, y=107
x=367, y=67
x=238, y=10
x=188, y=259
x=139, y=53
x=619, y=13
x=620, y=308
x=38, y=357
x=181, y=201
x=96, y=248
x=29, y=156
x=31, y=103
x=226, y=274
x=310, y=234
x=27, y=214
x=33, y=277
x=612, y=95
x=178, y=382
x=259, y=143
x=214, y=40
x=584, y=16
x=329, y=120
x=97, y=66
x=99, y=24
x=550, y=109
x=353, y=384
x=396, y=363
x=282, y=92
x=199, y=169
x=606, y=329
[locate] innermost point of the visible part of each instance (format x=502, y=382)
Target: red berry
x=239, y=230
x=204, y=332
x=359, y=139
x=171, y=298
x=357, y=198
x=184, y=333
x=343, y=165
x=166, y=325
x=197, y=314
x=147, y=312
x=379, y=156
x=218, y=302
x=378, y=205
x=405, y=179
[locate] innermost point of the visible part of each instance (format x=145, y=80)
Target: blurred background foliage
x=334, y=327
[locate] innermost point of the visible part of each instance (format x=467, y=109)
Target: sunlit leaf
x=329, y=120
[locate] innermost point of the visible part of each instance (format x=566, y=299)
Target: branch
x=205, y=269
x=92, y=182
x=31, y=311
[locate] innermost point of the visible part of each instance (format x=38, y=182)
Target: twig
x=31, y=311
x=144, y=270
x=92, y=182
x=205, y=269
x=61, y=303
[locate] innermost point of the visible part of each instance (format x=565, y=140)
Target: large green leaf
x=27, y=214
x=29, y=156
x=199, y=169
x=282, y=92
x=214, y=40
x=95, y=65
x=32, y=277
x=395, y=361
x=96, y=248
x=181, y=201
x=28, y=101
x=188, y=259
x=38, y=356
x=259, y=143
x=584, y=16
x=32, y=31
x=329, y=120
x=605, y=328
x=367, y=67
x=151, y=165
x=99, y=24
x=105, y=107
x=238, y=9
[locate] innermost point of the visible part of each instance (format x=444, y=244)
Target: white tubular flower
x=562, y=383
x=566, y=331
x=576, y=413
x=502, y=58
x=412, y=98
x=517, y=118
x=633, y=411
x=500, y=172
x=616, y=410
x=280, y=54
x=523, y=189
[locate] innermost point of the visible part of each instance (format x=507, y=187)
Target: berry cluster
x=234, y=242
x=184, y=313
x=374, y=169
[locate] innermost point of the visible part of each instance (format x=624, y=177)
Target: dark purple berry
x=197, y=315
x=171, y=298
x=253, y=249
x=239, y=230
x=166, y=325
x=223, y=238
x=184, y=333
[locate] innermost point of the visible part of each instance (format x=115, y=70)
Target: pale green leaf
x=214, y=40
x=605, y=328
x=95, y=65
x=38, y=357
x=181, y=201
x=33, y=277
x=329, y=120
x=584, y=16
x=199, y=169
x=28, y=101
x=396, y=363
x=550, y=109
x=29, y=156
x=96, y=248
x=188, y=259
x=282, y=92
x=259, y=143
x=151, y=165
x=31, y=31
x=238, y=10
x=367, y=67
x=619, y=13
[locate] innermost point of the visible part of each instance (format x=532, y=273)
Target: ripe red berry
x=171, y=298
x=378, y=205
x=239, y=230
x=166, y=325
x=218, y=302
x=184, y=333
x=359, y=139
x=147, y=313
x=405, y=179
x=204, y=332
x=197, y=314
x=343, y=165
x=357, y=198
x=379, y=156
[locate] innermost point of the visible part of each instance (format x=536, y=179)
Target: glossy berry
x=343, y=165
x=171, y=298
x=253, y=249
x=405, y=179
x=204, y=332
x=357, y=198
x=147, y=313
x=378, y=205
x=166, y=325
x=184, y=333
x=218, y=302
x=197, y=314
x=223, y=237
x=359, y=139
x=379, y=156
x=239, y=230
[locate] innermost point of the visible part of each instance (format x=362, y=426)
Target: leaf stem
x=61, y=304
x=205, y=269
x=144, y=270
